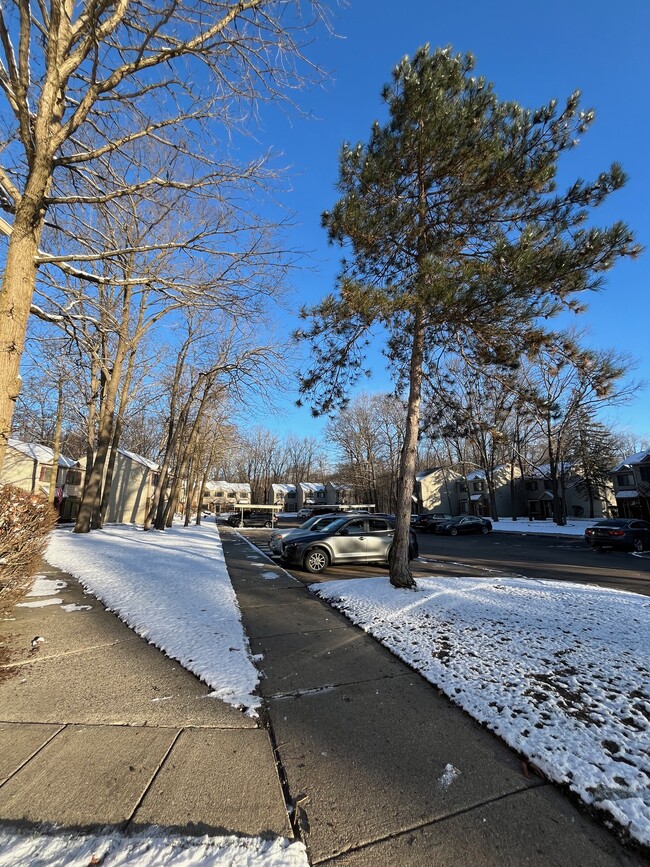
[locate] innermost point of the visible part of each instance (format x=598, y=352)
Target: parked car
x=251, y=518
x=464, y=524
x=303, y=513
x=317, y=523
x=625, y=533
x=357, y=539
x=428, y=523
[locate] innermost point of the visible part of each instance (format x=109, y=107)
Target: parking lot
x=557, y=558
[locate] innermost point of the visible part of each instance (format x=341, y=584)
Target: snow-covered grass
x=560, y=671
x=573, y=527
x=147, y=850
x=173, y=589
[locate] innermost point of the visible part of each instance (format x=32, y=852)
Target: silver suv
x=360, y=539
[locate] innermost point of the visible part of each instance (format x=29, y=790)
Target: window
x=625, y=480
x=291, y=495
x=547, y=485
x=644, y=472
x=462, y=487
x=231, y=495
x=73, y=477
x=355, y=528
x=44, y=475
x=375, y=525
x=320, y=495
x=479, y=486
x=531, y=485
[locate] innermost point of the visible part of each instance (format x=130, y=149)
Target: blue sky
x=532, y=53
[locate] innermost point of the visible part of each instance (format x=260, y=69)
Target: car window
x=355, y=528
x=375, y=525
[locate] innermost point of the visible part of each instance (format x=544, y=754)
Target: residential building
x=474, y=494
x=631, y=480
x=337, y=494
x=574, y=499
x=311, y=494
x=29, y=466
x=132, y=487
x=221, y=495
x=284, y=496
x=436, y=490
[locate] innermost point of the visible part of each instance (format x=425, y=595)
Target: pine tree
x=458, y=238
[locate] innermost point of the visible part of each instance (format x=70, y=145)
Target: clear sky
x=532, y=53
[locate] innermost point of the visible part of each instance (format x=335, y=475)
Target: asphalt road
x=556, y=558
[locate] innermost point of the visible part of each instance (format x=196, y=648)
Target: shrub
x=25, y=522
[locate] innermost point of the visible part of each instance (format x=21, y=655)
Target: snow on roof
x=138, y=459
x=312, y=487
x=283, y=489
x=475, y=474
x=234, y=487
x=37, y=452
x=341, y=486
x=627, y=495
x=638, y=458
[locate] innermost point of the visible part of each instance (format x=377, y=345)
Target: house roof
x=638, y=458
x=37, y=452
x=475, y=474
x=234, y=487
x=312, y=487
x=138, y=459
x=283, y=489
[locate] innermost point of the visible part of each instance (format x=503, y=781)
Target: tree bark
x=400, y=573
x=15, y=302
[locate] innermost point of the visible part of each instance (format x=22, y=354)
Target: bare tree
x=87, y=81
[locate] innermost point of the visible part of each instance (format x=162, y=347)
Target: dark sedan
x=429, y=522
x=465, y=524
x=626, y=533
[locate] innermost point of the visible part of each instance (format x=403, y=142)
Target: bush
x=25, y=522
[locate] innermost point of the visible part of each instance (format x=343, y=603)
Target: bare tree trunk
x=15, y=303
x=204, y=481
x=400, y=573
x=56, y=447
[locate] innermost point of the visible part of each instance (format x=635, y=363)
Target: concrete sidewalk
x=99, y=729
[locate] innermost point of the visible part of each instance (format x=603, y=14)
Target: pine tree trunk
x=400, y=573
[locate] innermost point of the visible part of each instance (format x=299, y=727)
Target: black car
x=251, y=518
x=428, y=523
x=626, y=533
x=465, y=524
x=357, y=539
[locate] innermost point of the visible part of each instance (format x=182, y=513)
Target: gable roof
x=40, y=453
x=138, y=459
x=637, y=458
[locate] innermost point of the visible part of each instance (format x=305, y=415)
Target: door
x=349, y=544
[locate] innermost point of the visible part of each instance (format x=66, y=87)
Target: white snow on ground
x=573, y=527
x=173, y=589
x=560, y=671
x=147, y=850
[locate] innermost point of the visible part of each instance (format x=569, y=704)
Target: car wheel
x=485, y=530
x=268, y=523
x=453, y=532
x=638, y=545
x=316, y=561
